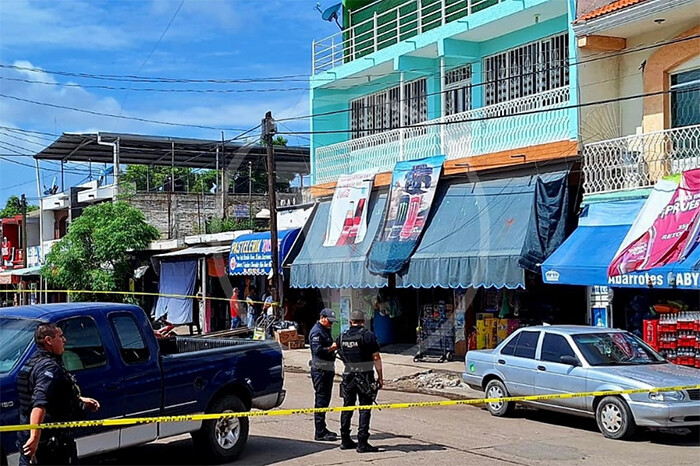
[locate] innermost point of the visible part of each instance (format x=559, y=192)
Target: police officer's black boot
x=364, y=447
x=346, y=443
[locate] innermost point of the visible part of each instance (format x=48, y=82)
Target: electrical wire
x=304, y=77
x=112, y=115
x=430, y=123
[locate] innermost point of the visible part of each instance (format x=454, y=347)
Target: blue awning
x=584, y=257
x=317, y=266
x=251, y=254
x=476, y=235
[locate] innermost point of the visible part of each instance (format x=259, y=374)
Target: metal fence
x=374, y=31
x=484, y=130
x=639, y=161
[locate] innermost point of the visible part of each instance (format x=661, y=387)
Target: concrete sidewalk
x=397, y=367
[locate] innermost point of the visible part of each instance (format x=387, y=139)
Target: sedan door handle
x=501, y=361
x=541, y=368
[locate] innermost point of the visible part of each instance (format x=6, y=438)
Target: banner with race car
x=411, y=194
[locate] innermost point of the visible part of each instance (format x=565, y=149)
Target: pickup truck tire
x=614, y=418
x=223, y=440
x=497, y=389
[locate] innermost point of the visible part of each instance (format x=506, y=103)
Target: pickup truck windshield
x=15, y=337
x=613, y=349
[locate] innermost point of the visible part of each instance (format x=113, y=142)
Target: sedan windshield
x=15, y=337
x=615, y=348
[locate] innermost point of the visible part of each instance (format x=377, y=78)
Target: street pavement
x=463, y=435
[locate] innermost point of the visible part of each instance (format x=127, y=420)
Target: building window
x=529, y=69
x=458, y=90
x=382, y=111
x=685, y=95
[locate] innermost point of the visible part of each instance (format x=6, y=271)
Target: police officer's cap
x=357, y=316
x=329, y=314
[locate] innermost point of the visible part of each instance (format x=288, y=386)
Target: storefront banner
x=251, y=254
x=668, y=238
x=347, y=222
x=413, y=186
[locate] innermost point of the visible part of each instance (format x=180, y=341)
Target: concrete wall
x=189, y=212
x=620, y=76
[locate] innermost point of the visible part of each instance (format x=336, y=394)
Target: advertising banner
x=672, y=233
x=347, y=222
x=413, y=185
x=251, y=254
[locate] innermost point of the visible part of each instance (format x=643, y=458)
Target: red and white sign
x=671, y=235
x=347, y=222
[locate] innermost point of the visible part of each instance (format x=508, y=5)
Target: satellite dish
x=331, y=13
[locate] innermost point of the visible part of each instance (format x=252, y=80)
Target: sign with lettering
x=672, y=235
x=252, y=254
x=347, y=222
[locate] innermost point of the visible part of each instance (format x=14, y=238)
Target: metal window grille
x=458, y=90
x=382, y=111
x=526, y=70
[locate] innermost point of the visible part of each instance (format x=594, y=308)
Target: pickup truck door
x=517, y=363
x=554, y=377
x=141, y=380
x=98, y=377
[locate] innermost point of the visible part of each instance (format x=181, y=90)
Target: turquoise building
x=471, y=79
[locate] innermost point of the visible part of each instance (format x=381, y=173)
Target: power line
x=153, y=89
x=112, y=115
x=430, y=123
x=301, y=77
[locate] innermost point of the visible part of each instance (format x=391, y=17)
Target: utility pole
x=250, y=192
x=269, y=129
x=224, y=179
x=23, y=208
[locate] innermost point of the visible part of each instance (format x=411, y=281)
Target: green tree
x=12, y=207
x=94, y=255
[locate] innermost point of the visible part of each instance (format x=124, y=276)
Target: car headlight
x=666, y=396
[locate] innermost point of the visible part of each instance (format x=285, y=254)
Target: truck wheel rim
x=228, y=431
x=611, y=417
x=495, y=392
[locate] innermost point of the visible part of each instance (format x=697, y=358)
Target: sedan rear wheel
x=615, y=419
x=497, y=389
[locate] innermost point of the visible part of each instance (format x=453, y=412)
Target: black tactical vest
x=24, y=390
x=351, y=351
x=64, y=401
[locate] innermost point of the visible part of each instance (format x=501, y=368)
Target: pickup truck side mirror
x=570, y=360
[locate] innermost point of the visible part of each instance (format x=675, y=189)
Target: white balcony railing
x=641, y=160
x=505, y=126
x=383, y=29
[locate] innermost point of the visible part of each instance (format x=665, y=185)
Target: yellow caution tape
x=289, y=412
x=138, y=293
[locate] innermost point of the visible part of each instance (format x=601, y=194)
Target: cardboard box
x=285, y=336
x=501, y=330
x=297, y=344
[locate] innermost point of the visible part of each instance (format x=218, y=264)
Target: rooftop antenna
x=331, y=13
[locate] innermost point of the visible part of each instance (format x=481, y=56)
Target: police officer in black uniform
x=49, y=393
x=359, y=350
x=323, y=371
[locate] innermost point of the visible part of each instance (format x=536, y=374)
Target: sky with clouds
x=207, y=39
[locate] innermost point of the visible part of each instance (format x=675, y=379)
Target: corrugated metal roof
x=609, y=8
x=196, y=251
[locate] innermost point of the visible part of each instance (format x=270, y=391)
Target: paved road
x=456, y=435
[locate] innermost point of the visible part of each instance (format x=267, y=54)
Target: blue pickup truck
x=116, y=358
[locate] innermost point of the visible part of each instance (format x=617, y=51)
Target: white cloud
x=232, y=111
x=73, y=24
